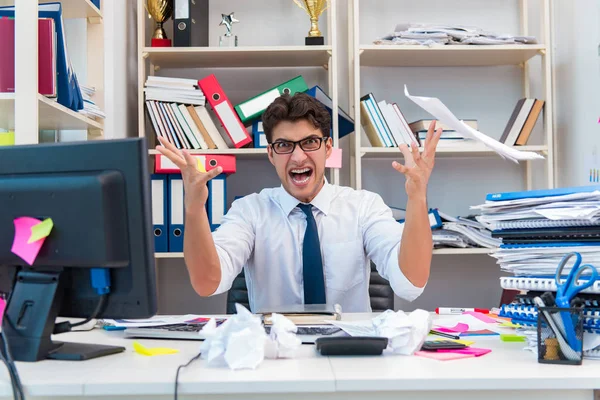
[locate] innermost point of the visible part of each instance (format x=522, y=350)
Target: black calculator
x=434, y=345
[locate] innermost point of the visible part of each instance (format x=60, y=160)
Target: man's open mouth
x=301, y=175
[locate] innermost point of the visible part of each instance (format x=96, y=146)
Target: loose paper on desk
x=406, y=333
x=436, y=108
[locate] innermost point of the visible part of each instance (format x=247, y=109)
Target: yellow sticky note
x=509, y=324
x=40, y=230
x=201, y=165
x=7, y=138
x=156, y=351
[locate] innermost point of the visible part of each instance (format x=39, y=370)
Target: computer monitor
x=98, y=197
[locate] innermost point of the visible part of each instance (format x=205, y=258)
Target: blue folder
x=528, y=194
x=160, y=212
x=217, y=200
x=176, y=213
x=67, y=87
x=345, y=122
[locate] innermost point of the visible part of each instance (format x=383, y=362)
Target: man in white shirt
x=307, y=241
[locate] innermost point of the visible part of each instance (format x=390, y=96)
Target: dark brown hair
x=294, y=108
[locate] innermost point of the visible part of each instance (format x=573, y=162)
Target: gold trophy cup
x=160, y=11
x=314, y=9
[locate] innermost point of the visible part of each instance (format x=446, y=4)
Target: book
x=304, y=314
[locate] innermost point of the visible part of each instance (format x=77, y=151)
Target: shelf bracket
x=326, y=67
x=156, y=68
x=94, y=20
x=543, y=52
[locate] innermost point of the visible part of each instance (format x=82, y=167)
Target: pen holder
x=555, y=344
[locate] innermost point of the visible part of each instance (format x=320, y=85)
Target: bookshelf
x=173, y=61
x=398, y=56
x=26, y=111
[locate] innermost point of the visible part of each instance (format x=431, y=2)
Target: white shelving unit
x=152, y=59
x=26, y=111
x=371, y=55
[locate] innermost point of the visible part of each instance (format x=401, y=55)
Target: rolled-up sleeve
x=381, y=237
x=234, y=241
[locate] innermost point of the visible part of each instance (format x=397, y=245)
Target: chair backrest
x=380, y=292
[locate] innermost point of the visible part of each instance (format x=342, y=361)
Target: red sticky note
x=460, y=328
x=474, y=351
x=482, y=317
x=442, y=356
x=335, y=159
x=27, y=251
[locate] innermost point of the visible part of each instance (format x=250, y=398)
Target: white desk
x=503, y=372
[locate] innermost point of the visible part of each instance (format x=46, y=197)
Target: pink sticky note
x=20, y=247
x=460, y=328
x=335, y=159
x=482, y=317
x=442, y=356
x=474, y=351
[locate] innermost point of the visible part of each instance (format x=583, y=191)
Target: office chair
x=380, y=292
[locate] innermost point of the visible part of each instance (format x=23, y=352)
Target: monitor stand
x=29, y=318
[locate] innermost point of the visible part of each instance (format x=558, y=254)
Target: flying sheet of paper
x=27, y=251
x=41, y=230
x=436, y=108
x=335, y=159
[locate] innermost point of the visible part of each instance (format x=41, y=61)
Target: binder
x=530, y=194
x=160, y=210
x=67, y=86
x=163, y=165
x=190, y=26
x=176, y=214
x=345, y=122
x=217, y=201
x=260, y=139
x=254, y=107
x=223, y=108
x=539, y=284
x=545, y=223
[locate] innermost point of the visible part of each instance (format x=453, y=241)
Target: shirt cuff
x=225, y=283
x=401, y=286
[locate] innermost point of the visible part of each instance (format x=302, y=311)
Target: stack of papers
x=441, y=34
x=462, y=232
x=90, y=109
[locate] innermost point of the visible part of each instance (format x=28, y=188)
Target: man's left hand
x=417, y=167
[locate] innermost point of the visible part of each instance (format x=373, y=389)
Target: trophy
x=228, y=40
x=160, y=11
x=314, y=9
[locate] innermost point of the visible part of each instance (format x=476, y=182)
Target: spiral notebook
x=545, y=223
x=540, y=284
x=529, y=312
x=560, y=234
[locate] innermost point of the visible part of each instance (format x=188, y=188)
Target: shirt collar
x=322, y=201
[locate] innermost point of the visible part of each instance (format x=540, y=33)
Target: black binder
x=190, y=23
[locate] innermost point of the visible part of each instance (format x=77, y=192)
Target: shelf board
x=454, y=151
x=51, y=115
x=448, y=251
x=70, y=8
x=241, y=153
x=238, y=57
x=446, y=56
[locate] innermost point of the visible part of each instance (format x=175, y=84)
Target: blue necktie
x=312, y=264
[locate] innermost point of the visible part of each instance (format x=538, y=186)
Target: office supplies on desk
x=568, y=289
x=443, y=334
x=458, y=311
x=304, y=314
x=434, y=345
x=351, y=345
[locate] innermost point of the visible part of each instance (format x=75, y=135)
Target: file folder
x=176, y=214
x=345, y=122
x=223, y=108
x=254, y=107
x=160, y=209
x=163, y=165
x=217, y=201
x=260, y=139
x=190, y=23
x=529, y=194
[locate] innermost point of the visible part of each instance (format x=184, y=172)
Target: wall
x=488, y=94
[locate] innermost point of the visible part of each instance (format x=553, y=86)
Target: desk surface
x=508, y=366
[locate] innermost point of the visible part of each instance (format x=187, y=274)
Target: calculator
x=434, y=345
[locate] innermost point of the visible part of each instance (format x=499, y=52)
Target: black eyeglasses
x=311, y=143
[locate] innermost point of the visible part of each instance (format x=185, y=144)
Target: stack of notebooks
x=198, y=114
x=538, y=228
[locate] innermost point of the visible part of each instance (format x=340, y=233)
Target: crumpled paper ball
x=405, y=333
x=241, y=341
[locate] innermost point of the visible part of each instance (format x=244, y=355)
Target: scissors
x=567, y=290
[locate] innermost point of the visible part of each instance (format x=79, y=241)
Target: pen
x=446, y=335
x=457, y=311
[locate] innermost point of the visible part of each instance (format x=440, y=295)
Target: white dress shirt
x=263, y=233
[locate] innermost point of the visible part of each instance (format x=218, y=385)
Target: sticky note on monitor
x=41, y=230
x=335, y=159
x=27, y=251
